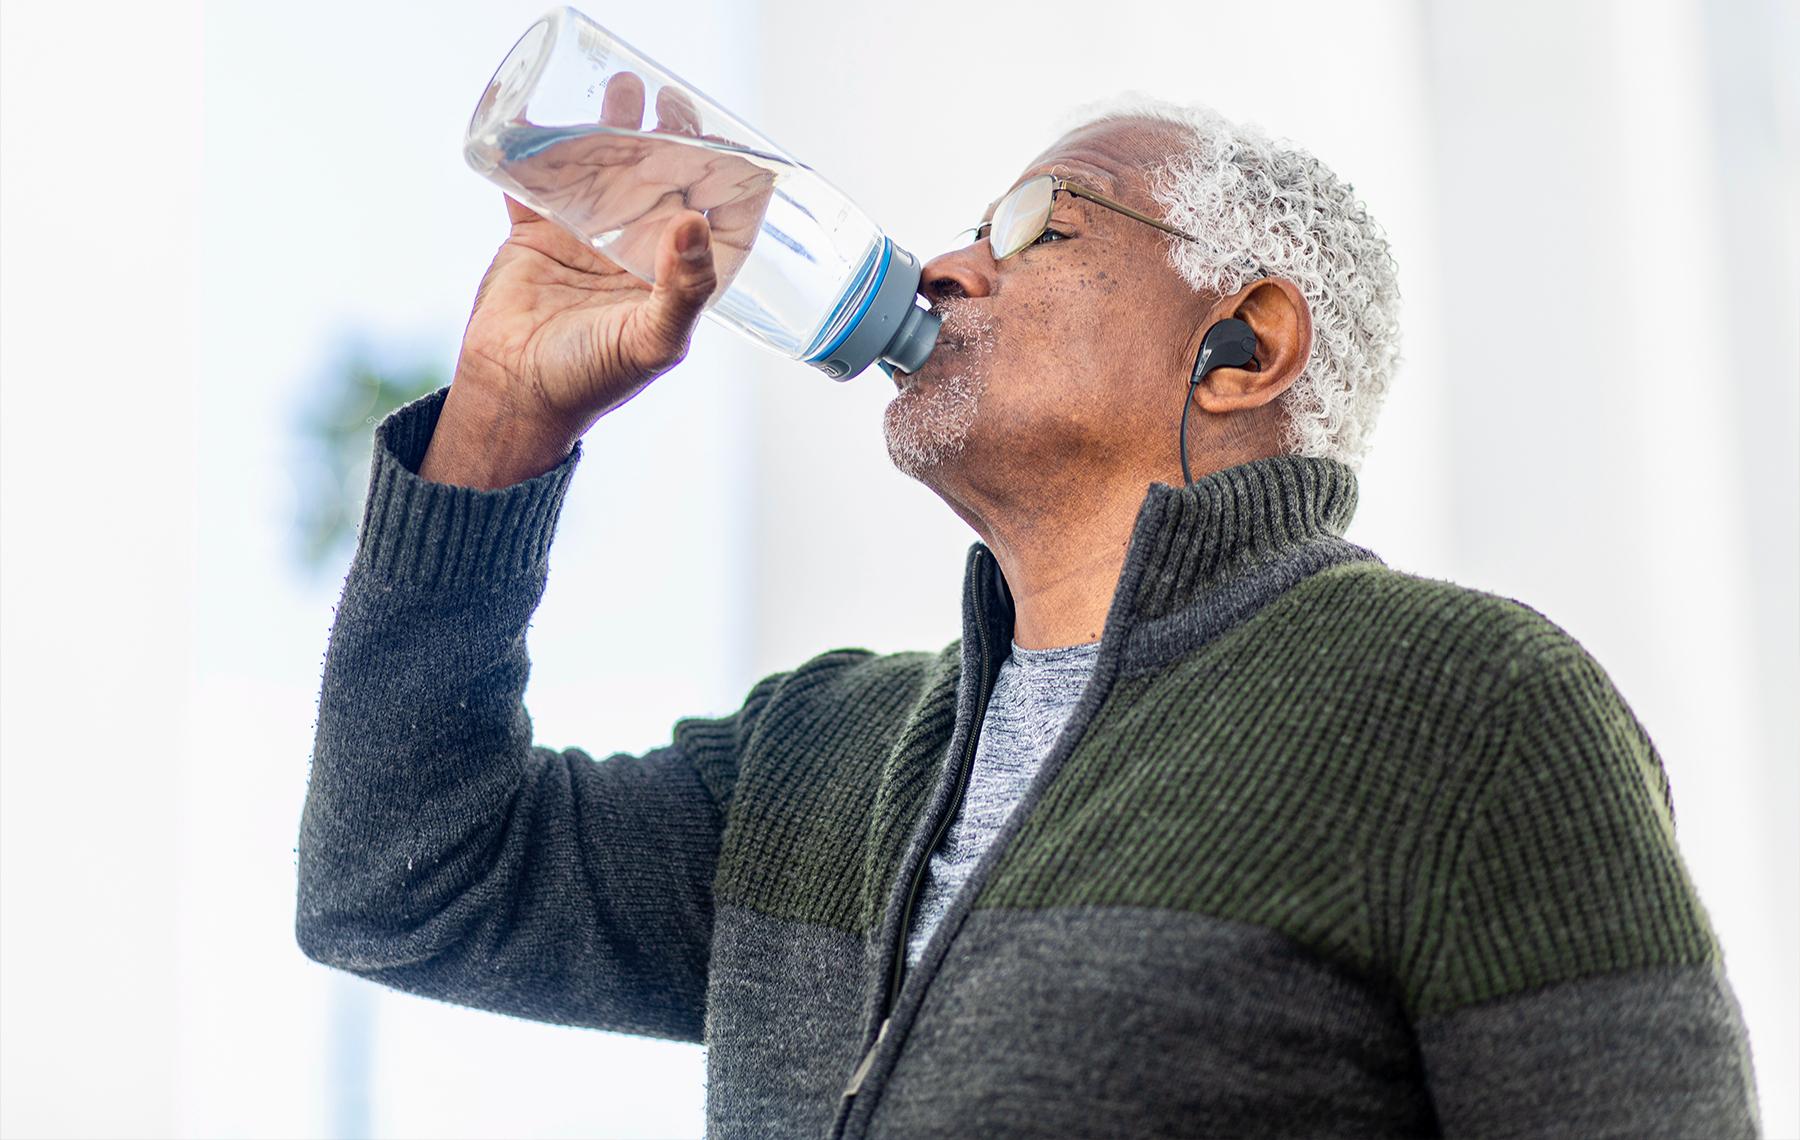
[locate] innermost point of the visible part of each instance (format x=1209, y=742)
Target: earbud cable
x=1186, y=404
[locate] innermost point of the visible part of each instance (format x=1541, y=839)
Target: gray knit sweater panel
x=1034, y=692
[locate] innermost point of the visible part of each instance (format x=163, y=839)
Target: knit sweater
x=1324, y=849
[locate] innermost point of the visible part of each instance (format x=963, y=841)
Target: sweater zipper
x=897, y=968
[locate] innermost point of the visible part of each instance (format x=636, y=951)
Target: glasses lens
x=1021, y=216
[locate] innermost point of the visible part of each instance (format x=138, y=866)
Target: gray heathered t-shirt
x=1034, y=693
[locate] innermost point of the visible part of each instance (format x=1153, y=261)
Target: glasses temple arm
x=1080, y=192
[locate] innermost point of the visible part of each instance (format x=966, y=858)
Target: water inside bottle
x=791, y=251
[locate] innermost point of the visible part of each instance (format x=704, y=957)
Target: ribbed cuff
x=440, y=535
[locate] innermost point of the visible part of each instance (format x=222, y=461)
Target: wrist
x=483, y=440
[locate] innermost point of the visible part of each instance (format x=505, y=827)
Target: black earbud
x=1230, y=343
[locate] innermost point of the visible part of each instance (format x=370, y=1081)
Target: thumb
x=685, y=277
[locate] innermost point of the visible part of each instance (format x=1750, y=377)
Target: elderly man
x=1210, y=824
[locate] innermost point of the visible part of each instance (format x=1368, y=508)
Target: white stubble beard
x=929, y=422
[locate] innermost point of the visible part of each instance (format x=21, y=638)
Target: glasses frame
x=1061, y=185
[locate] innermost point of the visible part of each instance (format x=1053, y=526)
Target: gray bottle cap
x=894, y=327
x=913, y=341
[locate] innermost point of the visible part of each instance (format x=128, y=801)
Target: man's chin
x=928, y=423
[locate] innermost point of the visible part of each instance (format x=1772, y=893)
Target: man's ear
x=1282, y=322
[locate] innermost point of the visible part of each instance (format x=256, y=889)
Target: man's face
x=1070, y=351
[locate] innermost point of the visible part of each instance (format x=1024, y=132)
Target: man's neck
x=1061, y=597
x=1062, y=554
x=1062, y=567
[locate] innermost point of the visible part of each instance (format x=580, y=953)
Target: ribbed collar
x=1191, y=543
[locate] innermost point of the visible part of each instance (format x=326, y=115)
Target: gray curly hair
x=1267, y=208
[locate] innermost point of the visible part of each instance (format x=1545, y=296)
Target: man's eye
x=1049, y=233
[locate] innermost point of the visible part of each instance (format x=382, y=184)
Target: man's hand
x=568, y=329
x=561, y=334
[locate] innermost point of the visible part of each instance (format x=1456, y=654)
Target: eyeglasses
x=1024, y=214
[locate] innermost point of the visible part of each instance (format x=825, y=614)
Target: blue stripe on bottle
x=868, y=298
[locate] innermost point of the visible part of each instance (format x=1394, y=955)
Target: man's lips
x=961, y=331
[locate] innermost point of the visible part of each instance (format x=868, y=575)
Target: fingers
x=623, y=104
x=675, y=113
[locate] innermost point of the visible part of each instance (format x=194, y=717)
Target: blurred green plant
x=338, y=437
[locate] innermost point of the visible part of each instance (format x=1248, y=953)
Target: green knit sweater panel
x=1413, y=758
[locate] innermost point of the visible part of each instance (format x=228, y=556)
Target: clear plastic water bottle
x=590, y=133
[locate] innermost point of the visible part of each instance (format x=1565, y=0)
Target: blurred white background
x=206, y=207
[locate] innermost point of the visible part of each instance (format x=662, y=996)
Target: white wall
x=149, y=480
x=99, y=347
x=1622, y=419
x=166, y=305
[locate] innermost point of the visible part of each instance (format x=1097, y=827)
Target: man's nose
x=965, y=272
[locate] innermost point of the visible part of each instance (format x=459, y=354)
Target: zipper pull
x=862, y=1070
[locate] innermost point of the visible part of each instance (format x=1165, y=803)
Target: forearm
x=422, y=740
x=444, y=854
x=441, y=851
x=420, y=746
